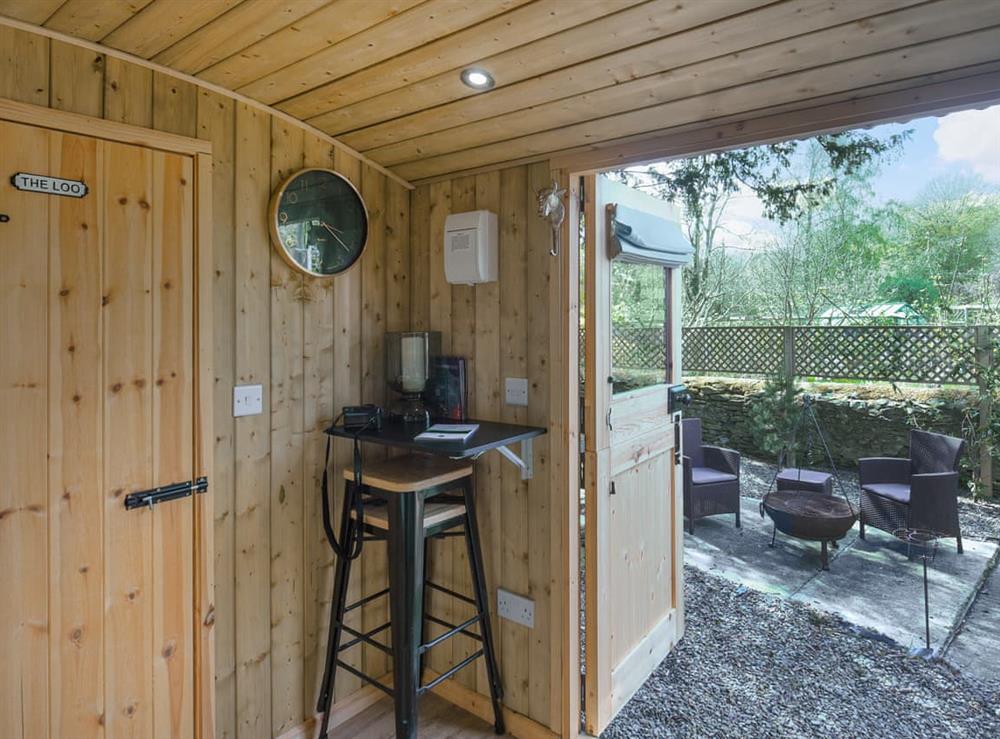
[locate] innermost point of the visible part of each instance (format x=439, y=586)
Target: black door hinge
x=174, y=491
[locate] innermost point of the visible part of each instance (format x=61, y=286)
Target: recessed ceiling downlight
x=477, y=79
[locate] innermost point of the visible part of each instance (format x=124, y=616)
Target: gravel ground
x=979, y=520
x=752, y=665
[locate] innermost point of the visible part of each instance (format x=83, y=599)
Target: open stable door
x=101, y=382
x=634, y=541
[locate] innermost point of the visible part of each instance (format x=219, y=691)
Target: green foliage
x=715, y=284
x=836, y=247
x=917, y=290
x=765, y=171
x=774, y=412
x=981, y=436
x=828, y=257
x=637, y=294
x=943, y=244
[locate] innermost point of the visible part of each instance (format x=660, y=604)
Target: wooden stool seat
x=411, y=472
x=434, y=514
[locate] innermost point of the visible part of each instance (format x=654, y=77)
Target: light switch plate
x=248, y=400
x=516, y=390
x=516, y=608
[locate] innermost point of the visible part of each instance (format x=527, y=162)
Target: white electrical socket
x=516, y=608
x=516, y=390
x=248, y=400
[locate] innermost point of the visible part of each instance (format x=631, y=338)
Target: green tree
x=704, y=185
x=946, y=243
x=830, y=255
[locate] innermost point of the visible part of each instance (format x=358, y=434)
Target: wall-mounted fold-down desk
x=490, y=435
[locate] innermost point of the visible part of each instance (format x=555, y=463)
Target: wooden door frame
x=201, y=153
x=937, y=99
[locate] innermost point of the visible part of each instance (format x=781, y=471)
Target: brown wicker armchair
x=919, y=492
x=711, y=477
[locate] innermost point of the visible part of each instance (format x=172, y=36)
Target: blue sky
x=963, y=143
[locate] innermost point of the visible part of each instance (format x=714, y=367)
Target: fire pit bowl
x=810, y=516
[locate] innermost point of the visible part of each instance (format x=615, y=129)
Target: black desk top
x=489, y=435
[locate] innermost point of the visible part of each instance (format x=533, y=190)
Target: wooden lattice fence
x=638, y=347
x=738, y=350
x=928, y=354
x=922, y=354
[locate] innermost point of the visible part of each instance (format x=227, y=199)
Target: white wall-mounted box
x=470, y=247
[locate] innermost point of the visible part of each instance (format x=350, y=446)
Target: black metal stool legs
x=407, y=539
x=406, y=605
x=482, y=605
x=337, y=608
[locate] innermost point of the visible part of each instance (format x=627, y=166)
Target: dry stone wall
x=859, y=420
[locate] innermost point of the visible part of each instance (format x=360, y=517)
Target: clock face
x=318, y=222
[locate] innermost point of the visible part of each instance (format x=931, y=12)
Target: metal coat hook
x=551, y=208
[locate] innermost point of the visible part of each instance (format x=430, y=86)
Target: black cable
x=351, y=529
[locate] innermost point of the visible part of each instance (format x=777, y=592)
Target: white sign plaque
x=49, y=185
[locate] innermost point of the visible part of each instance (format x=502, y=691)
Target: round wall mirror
x=319, y=223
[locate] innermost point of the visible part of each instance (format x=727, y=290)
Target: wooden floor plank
x=439, y=719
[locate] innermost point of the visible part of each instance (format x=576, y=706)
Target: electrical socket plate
x=248, y=400
x=516, y=390
x=516, y=608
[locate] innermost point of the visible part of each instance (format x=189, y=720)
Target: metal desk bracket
x=524, y=462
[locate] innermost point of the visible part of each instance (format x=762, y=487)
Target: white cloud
x=972, y=137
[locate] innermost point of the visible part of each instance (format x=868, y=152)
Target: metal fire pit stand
x=804, y=514
x=926, y=542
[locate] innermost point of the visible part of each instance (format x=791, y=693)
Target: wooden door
x=97, y=390
x=634, y=541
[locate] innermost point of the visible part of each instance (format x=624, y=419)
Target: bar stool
x=407, y=501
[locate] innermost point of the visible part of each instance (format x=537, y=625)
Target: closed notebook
x=448, y=432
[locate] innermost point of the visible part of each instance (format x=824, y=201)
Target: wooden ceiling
x=383, y=75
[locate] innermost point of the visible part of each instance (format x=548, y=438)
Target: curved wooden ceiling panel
x=383, y=75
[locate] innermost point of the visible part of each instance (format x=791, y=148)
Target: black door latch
x=174, y=491
x=4, y=218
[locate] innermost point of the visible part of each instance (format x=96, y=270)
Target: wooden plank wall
x=503, y=328
x=272, y=566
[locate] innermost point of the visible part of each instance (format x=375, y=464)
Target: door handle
x=165, y=493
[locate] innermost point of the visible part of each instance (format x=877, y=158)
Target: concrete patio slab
x=979, y=635
x=871, y=583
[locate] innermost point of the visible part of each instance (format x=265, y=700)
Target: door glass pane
x=639, y=325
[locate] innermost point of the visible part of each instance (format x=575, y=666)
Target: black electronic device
x=362, y=417
x=678, y=398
